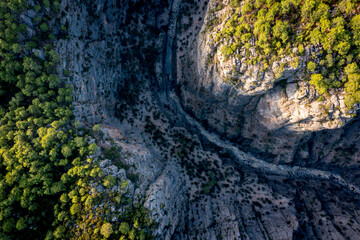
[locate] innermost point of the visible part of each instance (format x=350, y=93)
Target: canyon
x=213, y=161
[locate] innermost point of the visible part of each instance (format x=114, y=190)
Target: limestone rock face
x=167, y=201
x=141, y=69
x=91, y=56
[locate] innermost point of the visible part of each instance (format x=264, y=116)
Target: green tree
x=355, y=26
x=351, y=68
x=92, y=148
x=280, y=30
x=317, y=80
x=20, y=224
x=66, y=151
x=311, y=66
x=124, y=228
x=307, y=8
x=106, y=230
x=285, y=6
x=246, y=7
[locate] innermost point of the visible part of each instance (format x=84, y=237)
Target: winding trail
x=244, y=159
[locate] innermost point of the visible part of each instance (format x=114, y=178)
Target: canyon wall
x=141, y=70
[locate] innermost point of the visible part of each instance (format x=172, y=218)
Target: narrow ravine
x=244, y=159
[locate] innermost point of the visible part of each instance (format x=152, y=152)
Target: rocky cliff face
x=140, y=69
x=271, y=109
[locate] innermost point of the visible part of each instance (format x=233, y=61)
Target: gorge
x=207, y=156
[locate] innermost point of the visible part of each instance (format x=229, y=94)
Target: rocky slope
x=138, y=68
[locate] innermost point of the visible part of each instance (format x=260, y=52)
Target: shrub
x=311, y=66
x=317, y=80
x=301, y=49
x=44, y=27
x=106, y=230
x=96, y=128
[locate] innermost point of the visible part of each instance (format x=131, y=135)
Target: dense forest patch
x=51, y=183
